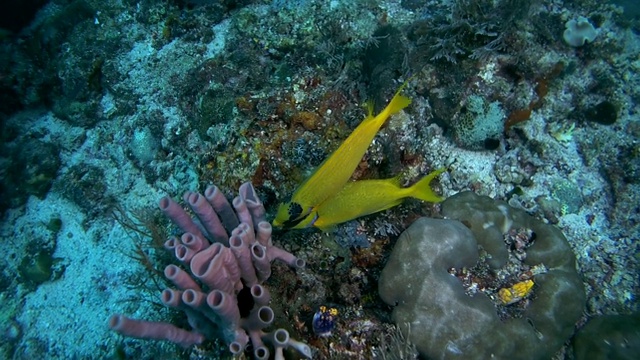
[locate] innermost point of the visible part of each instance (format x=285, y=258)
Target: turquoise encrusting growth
x=107, y=106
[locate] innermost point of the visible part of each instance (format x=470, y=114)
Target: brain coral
x=445, y=322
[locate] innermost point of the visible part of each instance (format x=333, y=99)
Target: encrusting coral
x=226, y=251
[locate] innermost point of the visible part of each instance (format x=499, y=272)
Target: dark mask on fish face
x=295, y=210
x=295, y=216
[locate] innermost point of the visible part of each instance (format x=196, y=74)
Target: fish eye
x=295, y=210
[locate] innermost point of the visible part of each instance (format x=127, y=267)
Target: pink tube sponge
x=215, y=251
x=154, y=330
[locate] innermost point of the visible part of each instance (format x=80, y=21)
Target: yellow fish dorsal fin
x=370, y=106
x=422, y=189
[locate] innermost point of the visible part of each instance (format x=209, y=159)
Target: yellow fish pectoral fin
x=304, y=222
x=422, y=189
x=297, y=223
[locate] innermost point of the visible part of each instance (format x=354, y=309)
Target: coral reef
x=112, y=104
x=229, y=252
x=465, y=28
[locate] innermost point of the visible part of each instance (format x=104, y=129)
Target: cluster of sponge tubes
x=223, y=264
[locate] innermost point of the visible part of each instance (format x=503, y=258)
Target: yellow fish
x=331, y=176
x=360, y=198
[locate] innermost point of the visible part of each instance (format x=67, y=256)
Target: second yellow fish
x=364, y=197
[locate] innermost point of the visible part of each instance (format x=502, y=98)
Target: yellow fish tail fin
x=422, y=189
x=398, y=103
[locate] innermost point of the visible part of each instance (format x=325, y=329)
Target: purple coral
x=226, y=251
